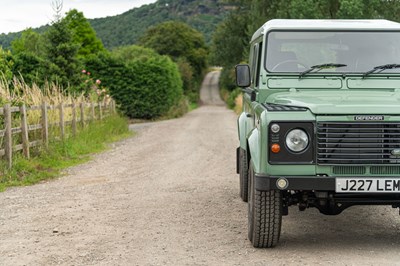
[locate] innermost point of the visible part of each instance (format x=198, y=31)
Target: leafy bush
x=155, y=88
x=227, y=79
x=6, y=63
x=231, y=101
x=186, y=46
x=143, y=83
x=30, y=67
x=190, y=85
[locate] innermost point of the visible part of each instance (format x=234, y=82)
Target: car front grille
x=357, y=143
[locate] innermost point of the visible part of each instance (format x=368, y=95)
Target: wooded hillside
x=127, y=28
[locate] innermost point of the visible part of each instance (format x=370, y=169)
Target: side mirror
x=242, y=75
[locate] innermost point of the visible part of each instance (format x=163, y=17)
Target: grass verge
x=47, y=164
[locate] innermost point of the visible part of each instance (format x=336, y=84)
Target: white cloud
x=22, y=14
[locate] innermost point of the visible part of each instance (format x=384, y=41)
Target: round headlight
x=297, y=140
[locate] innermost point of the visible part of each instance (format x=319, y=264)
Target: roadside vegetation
x=49, y=163
x=160, y=78
x=67, y=63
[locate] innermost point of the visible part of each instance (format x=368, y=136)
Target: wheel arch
x=242, y=130
x=254, y=150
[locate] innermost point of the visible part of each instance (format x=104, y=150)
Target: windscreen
x=297, y=51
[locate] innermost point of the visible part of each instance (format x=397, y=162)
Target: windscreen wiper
x=320, y=67
x=379, y=69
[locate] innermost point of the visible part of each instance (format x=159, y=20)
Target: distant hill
x=126, y=28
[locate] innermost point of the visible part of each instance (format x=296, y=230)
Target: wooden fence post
x=45, y=125
x=100, y=112
x=8, y=134
x=93, y=117
x=62, y=124
x=73, y=125
x=82, y=107
x=24, y=131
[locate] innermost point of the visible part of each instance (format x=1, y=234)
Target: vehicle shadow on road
x=360, y=227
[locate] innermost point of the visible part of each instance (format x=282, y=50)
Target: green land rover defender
x=320, y=125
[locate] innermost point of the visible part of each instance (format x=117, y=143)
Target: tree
x=30, y=42
x=61, y=55
x=6, y=63
x=178, y=40
x=83, y=35
x=186, y=46
x=28, y=52
x=133, y=53
x=229, y=42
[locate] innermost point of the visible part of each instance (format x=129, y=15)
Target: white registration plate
x=367, y=185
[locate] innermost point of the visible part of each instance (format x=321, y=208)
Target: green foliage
x=83, y=35
x=30, y=67
x=56, y=55
x=155, y=85
x=227, y=78
x=229, y=39
x=7, y=39
x=202, y=15
x=144, y=84
x=186, y=46
x=61, y=54
x=127, y=28
x=29, y=52
x=260, y=11
x=6, y=64
x=30, y=42
x=177, y=110
x=229, y=42
x=133, y=53
x=60, y=155
x=190, y=85
x=232, y=97
x=178, y=40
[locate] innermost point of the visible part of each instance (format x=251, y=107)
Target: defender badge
x=369, y=118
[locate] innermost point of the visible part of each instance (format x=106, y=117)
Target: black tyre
x=264, y=215
x=243, y=174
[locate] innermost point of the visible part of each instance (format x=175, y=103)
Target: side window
x=253, y=61
x=258, y=66
x=255, y=64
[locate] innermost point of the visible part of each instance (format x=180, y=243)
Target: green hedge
x=143, y=83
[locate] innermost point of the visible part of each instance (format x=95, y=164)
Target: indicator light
x=275, y=148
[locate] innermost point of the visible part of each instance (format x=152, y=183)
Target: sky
x=18, y=15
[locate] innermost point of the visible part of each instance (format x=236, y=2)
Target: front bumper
x=322, y=183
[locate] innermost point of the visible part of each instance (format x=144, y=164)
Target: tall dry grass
x=17, y=92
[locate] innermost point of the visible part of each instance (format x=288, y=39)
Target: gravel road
x=170, y=196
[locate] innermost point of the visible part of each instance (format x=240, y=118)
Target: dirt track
x=169, y=196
